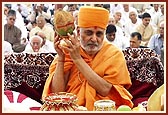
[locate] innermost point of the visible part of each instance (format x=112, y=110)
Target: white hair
x=133, y=10
x=40, y=16
x=36, y=36
x=162, y=22
x=111, y=17
x=117, y=11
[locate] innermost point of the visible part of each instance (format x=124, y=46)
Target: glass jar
x=104, y=105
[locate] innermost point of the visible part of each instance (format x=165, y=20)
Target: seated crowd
x=28, y=19
x=29, y=28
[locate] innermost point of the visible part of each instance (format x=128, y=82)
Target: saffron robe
x=109, y=63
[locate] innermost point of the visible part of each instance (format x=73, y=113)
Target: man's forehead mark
x=95, y=27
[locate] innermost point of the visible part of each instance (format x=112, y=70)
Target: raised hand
x=73, y=46
x=58, y=48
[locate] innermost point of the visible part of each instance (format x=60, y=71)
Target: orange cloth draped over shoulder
x=109, y=63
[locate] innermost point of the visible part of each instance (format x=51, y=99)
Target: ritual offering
x=124, y=108
x=81, y=108
x=63, y=23
x=61, y=101
x=156, y=100
x=104, y=105
x=140, y=107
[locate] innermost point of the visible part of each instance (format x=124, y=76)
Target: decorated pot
x=61, y=101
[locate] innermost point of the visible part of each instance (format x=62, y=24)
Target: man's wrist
x=61, y=60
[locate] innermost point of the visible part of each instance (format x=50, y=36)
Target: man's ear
x=139, y=41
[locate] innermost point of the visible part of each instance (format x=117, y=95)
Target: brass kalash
x=61, y=101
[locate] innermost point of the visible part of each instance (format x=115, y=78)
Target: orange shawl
x=109, y=63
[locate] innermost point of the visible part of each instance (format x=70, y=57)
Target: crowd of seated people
x=127, y=18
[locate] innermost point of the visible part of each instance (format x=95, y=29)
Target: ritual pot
x=61, y=101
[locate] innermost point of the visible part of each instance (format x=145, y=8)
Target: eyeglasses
x=35, y=43
x=161, y=28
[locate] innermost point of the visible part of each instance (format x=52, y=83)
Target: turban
x=93, y=16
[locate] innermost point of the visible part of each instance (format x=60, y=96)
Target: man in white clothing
x=145, y=29
x=7, y=47
x=21, y=8
x=119, y=41
x=46, y=44
x=114, y=8
x=158, y=18
x=34, y=45
x=119, y=30
x=38, y=9
x=131, y=24
x=41, y=26
x=125, y=13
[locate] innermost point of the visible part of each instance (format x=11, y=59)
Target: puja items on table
x=109, y=105
x=63, y=23
x=104, y=105
x=61, y=101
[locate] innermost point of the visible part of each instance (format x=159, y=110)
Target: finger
x=65, y=48
x=73, y=38
x=56, y=44
x=68, y=42
x=57, y=38
x=70, y=35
